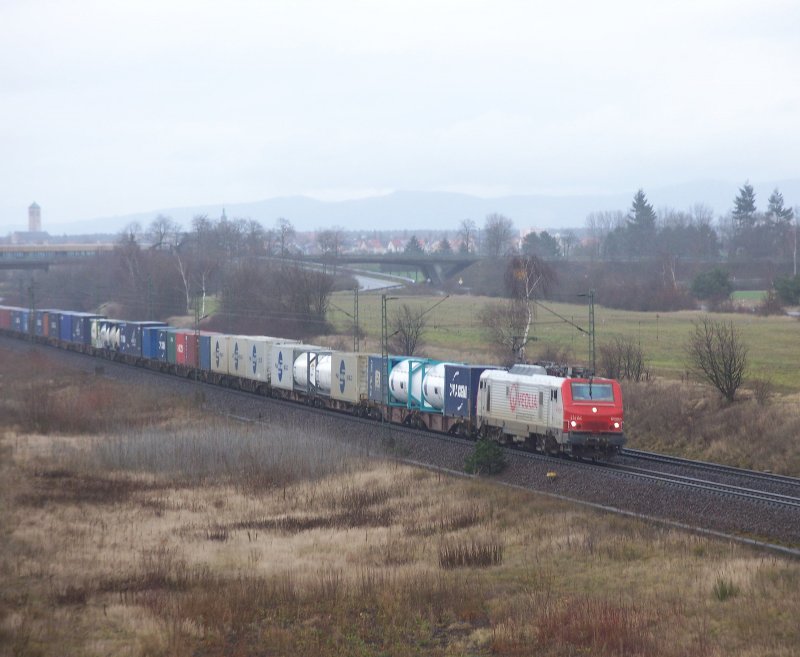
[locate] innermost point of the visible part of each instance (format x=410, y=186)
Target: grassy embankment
x=186, y=535
x=454, y=331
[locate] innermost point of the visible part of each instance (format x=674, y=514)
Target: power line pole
x=591, y=324
x=355, y=319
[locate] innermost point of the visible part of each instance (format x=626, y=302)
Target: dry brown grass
x=40, y=395
x=690, y=420
x=221, y=539
x=141, y=561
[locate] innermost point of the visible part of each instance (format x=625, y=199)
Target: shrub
x=480, y=555
x=714, y=285
x=788, y=289
x=724, y=589
x=487, y=458
x=771, y=305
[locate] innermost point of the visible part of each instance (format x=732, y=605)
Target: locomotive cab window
x=598, y=392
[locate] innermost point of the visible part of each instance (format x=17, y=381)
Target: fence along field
x=185, y=534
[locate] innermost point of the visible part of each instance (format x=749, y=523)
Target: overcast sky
x=111, y=107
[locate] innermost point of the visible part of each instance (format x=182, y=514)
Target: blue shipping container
x=82, y=327
x=54, y=323
x=131, y=337
x=19, y=320
x=150, y=342
x=65, y=327
x=461, y=389
x=205, y=352
x=41, y=322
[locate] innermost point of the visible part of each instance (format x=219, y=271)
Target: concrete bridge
x=435, y=267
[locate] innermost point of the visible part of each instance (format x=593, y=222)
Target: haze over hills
x=441, y=210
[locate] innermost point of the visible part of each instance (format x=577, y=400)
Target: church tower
x=34, y=219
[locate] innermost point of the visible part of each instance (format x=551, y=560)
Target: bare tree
x=163, y=233
x=505, y=323
x=568, y=240
x=498, y=233
x=527, y=278
x=330, y=241
x=285, y=233
x=407, y=325
x=254, y=238
x=466, y=235
x=622, y=359
x=716, y=353
x=600, y=224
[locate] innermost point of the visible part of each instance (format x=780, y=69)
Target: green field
x=755, y=296
x=454, y=331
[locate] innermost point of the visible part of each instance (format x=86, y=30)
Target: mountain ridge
x=416, y=210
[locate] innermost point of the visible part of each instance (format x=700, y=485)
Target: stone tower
x=34, y=219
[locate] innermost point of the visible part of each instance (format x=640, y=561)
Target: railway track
x=712, y=467
x=705, y=485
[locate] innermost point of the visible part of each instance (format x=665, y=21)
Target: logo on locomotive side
x=236, y=356
x=522, y=400
x=254, y=360
x=216, y=352
x=280, y=366
x=342, y=375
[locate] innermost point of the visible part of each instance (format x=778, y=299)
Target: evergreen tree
x=641, y=215
x=413, y=245
x=444, y=246
x=776, y=212
x=744, y=210
x=543, y=245
x=714, y=286
x=641, y=226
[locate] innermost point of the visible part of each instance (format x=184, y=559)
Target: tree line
x=163, y=271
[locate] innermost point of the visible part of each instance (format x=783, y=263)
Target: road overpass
x=43, y=256
x=435, y=267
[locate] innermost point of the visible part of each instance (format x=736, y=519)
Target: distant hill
x=418, y=210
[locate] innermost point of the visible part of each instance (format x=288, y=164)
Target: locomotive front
x=593, y=416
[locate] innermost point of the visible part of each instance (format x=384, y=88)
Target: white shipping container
x=257, y=354
x=236, y=355
x=282, y=364
x=219, y=353
x=350, y=376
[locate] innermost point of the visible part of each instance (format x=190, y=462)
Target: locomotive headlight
x=616, y=425
x=594, y=409
x=573, y=424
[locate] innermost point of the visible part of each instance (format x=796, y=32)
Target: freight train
x=580, y=417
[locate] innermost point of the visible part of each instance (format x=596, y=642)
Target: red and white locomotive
x=576, y=416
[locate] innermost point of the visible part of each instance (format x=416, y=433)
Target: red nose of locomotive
x=594, y=419
x=593, y=416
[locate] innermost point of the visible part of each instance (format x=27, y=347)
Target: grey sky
x=110, y=107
